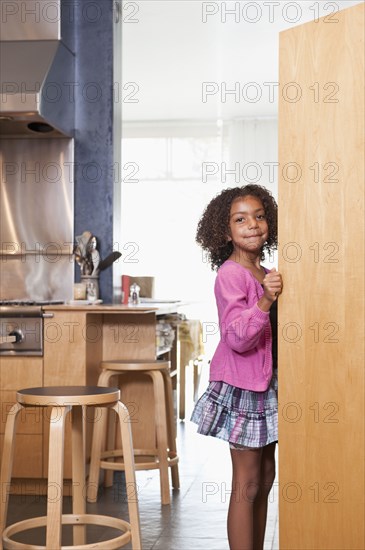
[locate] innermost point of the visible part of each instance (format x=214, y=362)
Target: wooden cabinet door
x=321, y=256
x=16, y=373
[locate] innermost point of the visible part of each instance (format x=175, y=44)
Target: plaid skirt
x=242, y=417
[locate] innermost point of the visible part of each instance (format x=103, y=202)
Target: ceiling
x=180, y=58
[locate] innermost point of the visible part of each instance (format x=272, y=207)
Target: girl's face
x=248, y=229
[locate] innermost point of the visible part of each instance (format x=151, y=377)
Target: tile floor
x=196, y=518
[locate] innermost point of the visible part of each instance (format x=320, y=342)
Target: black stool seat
x=68, y=395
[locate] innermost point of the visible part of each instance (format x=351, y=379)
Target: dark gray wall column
x=94, y=128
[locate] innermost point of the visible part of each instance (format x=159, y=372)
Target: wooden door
x=321, y=256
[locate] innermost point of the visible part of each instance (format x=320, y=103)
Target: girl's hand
x=273, y=285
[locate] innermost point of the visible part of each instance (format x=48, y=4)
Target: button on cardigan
x=243, y=357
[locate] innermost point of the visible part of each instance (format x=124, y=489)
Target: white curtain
x=253, y=143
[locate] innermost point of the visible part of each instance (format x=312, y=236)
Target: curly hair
x=213, y=226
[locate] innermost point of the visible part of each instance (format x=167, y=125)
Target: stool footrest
x=151, y=464
x=70, y=519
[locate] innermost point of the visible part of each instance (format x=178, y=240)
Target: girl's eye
x=261, y=217
x=240, y=219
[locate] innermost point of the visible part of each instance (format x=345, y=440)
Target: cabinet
x=321, y=257
x=24, y=371
x=76, y=340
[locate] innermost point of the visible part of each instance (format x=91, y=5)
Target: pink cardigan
x=243, y=357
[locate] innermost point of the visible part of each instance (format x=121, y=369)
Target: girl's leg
x=267, y=476
x=246, y=472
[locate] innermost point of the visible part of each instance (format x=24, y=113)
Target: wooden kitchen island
x=76, y=340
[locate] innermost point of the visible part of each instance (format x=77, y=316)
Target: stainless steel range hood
x=37, y=71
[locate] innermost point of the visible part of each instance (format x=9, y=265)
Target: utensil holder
x=92, y=286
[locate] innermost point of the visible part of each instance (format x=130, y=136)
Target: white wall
x=159, y=221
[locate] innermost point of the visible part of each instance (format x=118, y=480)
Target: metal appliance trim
x=14, y=311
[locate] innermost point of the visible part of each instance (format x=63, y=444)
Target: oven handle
x=7, y=339
x=47, y=315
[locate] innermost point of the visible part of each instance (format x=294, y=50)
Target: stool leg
x=130, y=476
x=198, y=367
x=78, y=473
x=55, y=476
x=110, y=436
x=110, y=445
x=195, y=378
x=7, y=463
x=161, y=431
x=101, y=415
x=105, y=379
x=171, y=424
x=182, y=383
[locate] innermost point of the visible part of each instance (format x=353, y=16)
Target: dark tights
x=252, y=478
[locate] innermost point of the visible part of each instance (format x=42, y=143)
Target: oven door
x=21, y=336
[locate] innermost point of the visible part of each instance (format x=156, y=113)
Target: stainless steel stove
x=26, y=303
x=21, y=326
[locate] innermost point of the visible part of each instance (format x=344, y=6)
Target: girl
x=240, y=404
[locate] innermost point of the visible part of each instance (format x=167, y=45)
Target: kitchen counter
x=76, y=339
x=159, y=308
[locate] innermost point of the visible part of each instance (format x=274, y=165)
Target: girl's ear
x=229, y=238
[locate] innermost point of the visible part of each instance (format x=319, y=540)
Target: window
x=158, y=158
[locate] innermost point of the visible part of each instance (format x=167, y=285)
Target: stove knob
x=19, y=336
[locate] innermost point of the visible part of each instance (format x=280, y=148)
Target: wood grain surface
x=321, y=257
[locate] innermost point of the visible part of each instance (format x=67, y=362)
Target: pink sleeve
x=241, y=326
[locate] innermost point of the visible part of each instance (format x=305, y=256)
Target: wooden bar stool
x=63, y=400
x=164, y=455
